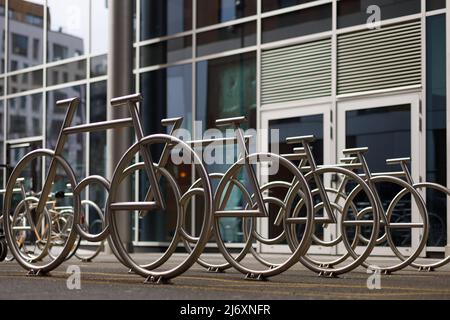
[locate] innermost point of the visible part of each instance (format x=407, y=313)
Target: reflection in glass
x=68, y=72
x=436, y=127
x=68, y=33
x=25, y=23
x=228, y=38
x=226, y=87
x=165, y=17
x=99, y=66
x=25, y=81
x=167, y=93
x=297, y=23
x=354, y=12
x=216, y=11
x=268, y=5
x=25, y=116
x=75, y=146
x=166, y=51
x=99, y=27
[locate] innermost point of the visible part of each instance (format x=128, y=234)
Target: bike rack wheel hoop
x=46, y=266
x=113, y=207
x=439, y=188
x=342, y=264
x=265, y=271
x=388, y=226
x=188, y=239
x=94, y=179
x=90, y=256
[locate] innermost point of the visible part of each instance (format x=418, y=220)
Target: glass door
x=289, y=122
x=390, y=127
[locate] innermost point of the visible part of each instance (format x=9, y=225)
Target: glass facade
x=199, y=60
x=55, y=50
x=436, y=127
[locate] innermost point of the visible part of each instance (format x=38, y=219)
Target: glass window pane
x=25, y=23
x=354, y=12
x=99, y=66
x=228, y=38
x=99, y=26
x=166, y=51
x=97, y=158
x=268, y=5
x=2, y=39
x=2, y=140
x=68, y=34
x=2, y=87
x=165, y=17
x=68, y=72
x=74, y=150
x=436, y=127
x=167, y=93
x=435, y=4
x=363, y=129
x=25, y=116
x=297, y=23
x=216, y=11
x=226, y=87
x=25, y=81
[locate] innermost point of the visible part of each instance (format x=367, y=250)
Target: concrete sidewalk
x=105, y=278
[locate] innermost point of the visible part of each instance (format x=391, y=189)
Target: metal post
x=120, y=77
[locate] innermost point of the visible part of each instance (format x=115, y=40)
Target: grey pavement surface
x=106, y=278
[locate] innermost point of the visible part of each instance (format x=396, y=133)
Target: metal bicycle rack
x=313, y=198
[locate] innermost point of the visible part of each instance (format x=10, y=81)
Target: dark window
x=227, y=38
x=435, y=4
x=436, y=127
x=60, y=52
x=21, y=121
x=354, y=12
x=268, y=5
x=71, y=72
x=166, y=51
x=165, y=17
x=19, y=45
x=98, y=66
x=216, y=11
x=297, y=23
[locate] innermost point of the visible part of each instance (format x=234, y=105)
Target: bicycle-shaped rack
x=336, y=208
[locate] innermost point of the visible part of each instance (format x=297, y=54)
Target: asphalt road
x=105, y=278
